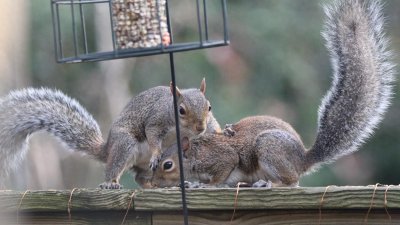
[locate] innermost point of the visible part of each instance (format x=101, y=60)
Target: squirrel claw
x=262, y=184
x=195, y=184
x=228, y=130
x=243, y=184
x=187, y=184
x=154, y=162
x=112, y=185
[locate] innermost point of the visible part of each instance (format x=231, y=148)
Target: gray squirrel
x=267, y=148
x=145, y=125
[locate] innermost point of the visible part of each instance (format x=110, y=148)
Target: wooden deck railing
x=312, y=205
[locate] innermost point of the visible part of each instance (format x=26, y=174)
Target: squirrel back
x=154, y=107
x=263, y=147
x=149, y=117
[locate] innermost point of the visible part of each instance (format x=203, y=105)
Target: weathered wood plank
x=241, y=217
x=279, y=217
x=215, y=217
x=275, y=198
x=347, y=197
x=80, y=218
x=57, y=201
x=341, y=205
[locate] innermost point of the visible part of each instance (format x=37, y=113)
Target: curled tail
x=362, y=77
x=26, y=111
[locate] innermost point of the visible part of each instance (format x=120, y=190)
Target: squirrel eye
x=182, y=111
x=209, y=108
x=168, y=165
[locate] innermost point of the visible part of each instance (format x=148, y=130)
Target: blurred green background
x=276, y=64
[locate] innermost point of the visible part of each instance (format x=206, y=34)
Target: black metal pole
x=83, y=23
x=205, y=19
x=178, y=140
x=199, y=23
x=74, y=29
x=178, y=134
x=225, y=21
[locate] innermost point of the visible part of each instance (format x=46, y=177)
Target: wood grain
x=340, y=205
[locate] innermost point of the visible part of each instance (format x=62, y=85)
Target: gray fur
x=149, y=117
x=135, y=137
x=26, y=111
x=362, y=78
x=263, y=147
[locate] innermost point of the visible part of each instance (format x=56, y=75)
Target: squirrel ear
x=203, y=86
x=185, y=144
x=178, y=92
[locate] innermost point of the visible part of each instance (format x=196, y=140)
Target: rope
x=20, y=204
x=69, y=205
x=129, y=206
x=371, y=204
x=236, y=200
x=321, y=202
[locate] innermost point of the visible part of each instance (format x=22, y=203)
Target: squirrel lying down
x=266, y=148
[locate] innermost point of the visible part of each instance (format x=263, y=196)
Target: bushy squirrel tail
x=362, y=77
x=26, y=111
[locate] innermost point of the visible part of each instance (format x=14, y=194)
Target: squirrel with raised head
x=267, y=148
x=145, y=125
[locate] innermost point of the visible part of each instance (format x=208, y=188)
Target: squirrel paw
x=155, y=159
x=197, y=184
x=239, y=184
x=228, y=130
x=112, y=185
x=262, y=184
x=194, y=184
x=189, y=184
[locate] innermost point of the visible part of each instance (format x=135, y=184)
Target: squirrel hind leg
x=122, y=153
x=280, y=157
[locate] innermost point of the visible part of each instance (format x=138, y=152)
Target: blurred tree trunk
x=14, y=31
x=115, y=73
x=40, y=168
x=13, y=55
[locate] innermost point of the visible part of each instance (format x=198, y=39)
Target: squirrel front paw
x=262, y=184
x=196, y=184
x=155, y=159
x=228, y=130
x=110, y=185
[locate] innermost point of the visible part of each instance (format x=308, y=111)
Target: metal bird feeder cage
x=136, y=28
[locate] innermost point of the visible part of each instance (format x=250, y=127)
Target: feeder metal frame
x=84, y=55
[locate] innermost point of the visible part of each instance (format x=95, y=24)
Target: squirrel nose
x=200, y=128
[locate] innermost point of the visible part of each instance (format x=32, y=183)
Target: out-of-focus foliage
x=276, y=64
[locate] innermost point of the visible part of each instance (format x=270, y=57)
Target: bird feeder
x=134, y=28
